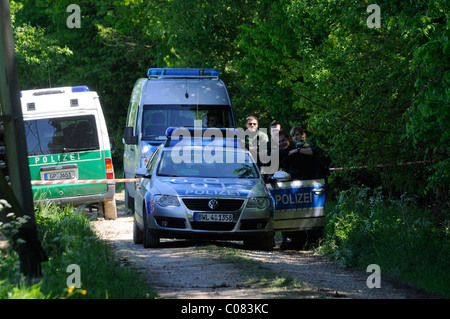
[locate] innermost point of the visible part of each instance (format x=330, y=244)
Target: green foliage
x=67, y=238
x=367, y=96
x=39, y=57
x=410, y=244
x=21, y=291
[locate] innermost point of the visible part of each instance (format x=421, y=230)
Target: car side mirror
x=142, y=172
x=128, y=136
x=281, y=176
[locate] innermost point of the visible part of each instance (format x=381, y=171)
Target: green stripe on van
x=90, y=165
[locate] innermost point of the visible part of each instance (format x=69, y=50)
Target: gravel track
x=179, y=269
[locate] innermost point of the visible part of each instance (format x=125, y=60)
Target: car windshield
x=200, y=163
x=157, y=118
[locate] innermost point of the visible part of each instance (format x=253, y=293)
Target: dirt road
x=210, y=270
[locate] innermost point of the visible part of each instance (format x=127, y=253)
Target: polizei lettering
x=56, y=158
x=298, y=198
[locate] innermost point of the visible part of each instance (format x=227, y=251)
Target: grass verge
x=68, y=239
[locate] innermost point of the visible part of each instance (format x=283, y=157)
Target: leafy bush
x=408, y=243
x=67, y=238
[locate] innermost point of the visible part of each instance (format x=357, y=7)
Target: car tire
x=299, y=240
x=150, y=240
x=138, y=234
x=129, y=201
x=315, y=237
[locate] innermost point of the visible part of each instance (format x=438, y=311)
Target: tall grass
x=408, y=243
x=67, y=238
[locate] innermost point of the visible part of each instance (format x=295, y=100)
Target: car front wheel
x=150, y=240
x=138, y=235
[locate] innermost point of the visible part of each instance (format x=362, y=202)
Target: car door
x=143, y=186
x=299, y=204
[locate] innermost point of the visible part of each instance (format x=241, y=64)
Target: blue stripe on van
x=295, y=198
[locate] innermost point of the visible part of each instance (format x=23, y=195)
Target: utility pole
x=18, y=193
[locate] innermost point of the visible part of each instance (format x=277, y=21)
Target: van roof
x=60, y=90
x=185, y=91
x=54, y=100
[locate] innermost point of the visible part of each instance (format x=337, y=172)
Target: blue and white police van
x=170, y=97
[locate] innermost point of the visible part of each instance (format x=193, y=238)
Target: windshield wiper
x=68, y=149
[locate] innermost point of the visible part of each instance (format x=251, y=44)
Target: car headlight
x=258, y=202
x=166, y=200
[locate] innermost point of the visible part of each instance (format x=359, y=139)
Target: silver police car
x=204, y=189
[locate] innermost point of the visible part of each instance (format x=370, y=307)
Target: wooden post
x=19, y=194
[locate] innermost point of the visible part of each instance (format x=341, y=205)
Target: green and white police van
x=68, y=143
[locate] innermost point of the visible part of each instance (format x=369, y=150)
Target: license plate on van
x=59, y=175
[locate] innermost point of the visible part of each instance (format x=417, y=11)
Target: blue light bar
x=183, y=72
x=169, y=131
x=77, y=89
x=193, y=140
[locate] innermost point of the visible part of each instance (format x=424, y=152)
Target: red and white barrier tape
x=86, y=181
x=380, y=165
x=132, y=180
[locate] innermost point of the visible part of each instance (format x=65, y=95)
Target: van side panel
x=131, y=152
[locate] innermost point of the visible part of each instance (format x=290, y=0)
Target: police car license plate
x=201, y=217
x=59, y=175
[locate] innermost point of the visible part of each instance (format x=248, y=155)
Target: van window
x=157, y=118
x=61, y=135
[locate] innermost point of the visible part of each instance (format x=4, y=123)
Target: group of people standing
x=297, y=156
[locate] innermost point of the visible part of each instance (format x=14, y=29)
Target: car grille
x=212, y=226
x=201, y=204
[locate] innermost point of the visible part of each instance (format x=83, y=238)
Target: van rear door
x=63, y=149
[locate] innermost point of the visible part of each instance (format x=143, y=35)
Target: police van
x=68, y=142
x=170, y=97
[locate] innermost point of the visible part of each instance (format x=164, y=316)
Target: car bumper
x=180, y=223
x=82, y=199
x=239, y=235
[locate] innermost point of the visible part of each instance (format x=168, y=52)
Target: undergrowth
x=408, y=243
x=68, y=239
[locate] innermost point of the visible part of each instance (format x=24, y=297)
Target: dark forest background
x=366, y=95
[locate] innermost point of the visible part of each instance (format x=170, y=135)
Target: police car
x=202, y=186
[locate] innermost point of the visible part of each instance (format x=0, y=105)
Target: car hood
x=226, y=187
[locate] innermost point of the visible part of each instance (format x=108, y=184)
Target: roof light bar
x=157, y=72
x=82, y=88
x=189, y=137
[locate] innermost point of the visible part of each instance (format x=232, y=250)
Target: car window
x=197, y=164
x=152, y=161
